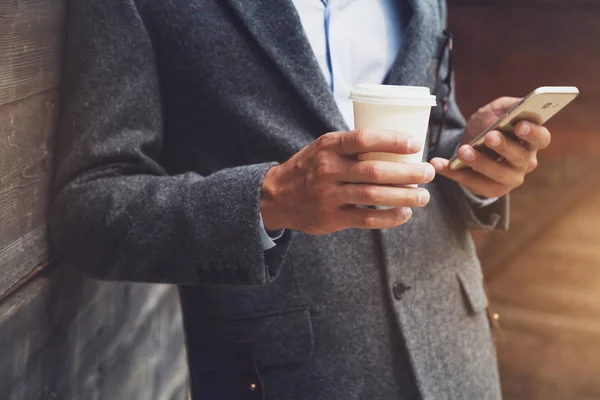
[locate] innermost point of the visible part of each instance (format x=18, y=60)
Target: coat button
x=399, y=289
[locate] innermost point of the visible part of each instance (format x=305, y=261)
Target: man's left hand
x=487, y=177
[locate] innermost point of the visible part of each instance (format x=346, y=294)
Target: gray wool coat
x=173, y=111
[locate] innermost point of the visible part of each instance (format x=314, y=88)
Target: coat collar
x=276, y=28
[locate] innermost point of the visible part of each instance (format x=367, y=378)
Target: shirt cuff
x=477, y=201
x=268, y=238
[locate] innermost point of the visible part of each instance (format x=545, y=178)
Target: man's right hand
x=317, y=190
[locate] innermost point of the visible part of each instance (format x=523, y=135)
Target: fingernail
x=495, y=141
x=524, y=130
x=468, y=155
x=429, y=173
x=406, y=213
x=423, y=197
x=414, y=145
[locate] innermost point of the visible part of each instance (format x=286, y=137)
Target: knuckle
x=370, y=221
x=310, y=178
x=373, y=172
x=363, y=138
x=326, y=141
x=532, y=164
x=324, y=168
x=371, y=193
x=500, y=139
x=519, y=180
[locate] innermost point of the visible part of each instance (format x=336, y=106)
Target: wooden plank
x=548, y=301
x=66, y=337
x=529, y=3
x=566, y=183
x=501, y=50
x=31, y=41
x=559, y=273
x=538, y=366
x=26, y=145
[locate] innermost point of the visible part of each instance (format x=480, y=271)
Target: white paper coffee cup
x=405, y=109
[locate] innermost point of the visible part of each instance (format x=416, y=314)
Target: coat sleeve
x=478, y=216
x=115, y=212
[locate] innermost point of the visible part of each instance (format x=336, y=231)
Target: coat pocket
x=270, y=339
x=471, y=283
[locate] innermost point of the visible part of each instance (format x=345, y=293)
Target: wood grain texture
x=549, y=302
x=26, y=143
x=501, y=50
x=564, y=183
x=65, y=337
x=529, y=3
x=31, y=40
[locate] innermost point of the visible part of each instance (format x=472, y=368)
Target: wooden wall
x=549, y=300
x=30, y=64
x=61, y=335
x=544, y=274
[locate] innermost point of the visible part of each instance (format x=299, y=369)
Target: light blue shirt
x=354, y=41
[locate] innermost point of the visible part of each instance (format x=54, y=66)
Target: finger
x=475, y=182
x=503, y=104
x=388, y=173
x=514, y=153
x=537, y=136
x=366, y=218
x=390, y=196
x=364, y=141
x=492, y=169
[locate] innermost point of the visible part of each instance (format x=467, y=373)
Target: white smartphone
x=538, y=107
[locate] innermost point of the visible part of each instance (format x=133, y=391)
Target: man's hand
x=317, y=190
x=488, y=177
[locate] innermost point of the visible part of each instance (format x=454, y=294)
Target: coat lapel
x=419, y=43
x=277, y=29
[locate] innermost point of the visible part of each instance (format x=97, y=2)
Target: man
x=205, y=143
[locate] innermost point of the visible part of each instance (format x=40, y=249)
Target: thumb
x=440, y=165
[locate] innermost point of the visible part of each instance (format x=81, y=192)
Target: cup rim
x=418, y=96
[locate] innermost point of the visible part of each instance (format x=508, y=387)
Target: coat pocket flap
x=275, y=338
x=472, y=286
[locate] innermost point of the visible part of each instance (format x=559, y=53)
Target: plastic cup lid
x=393, y=95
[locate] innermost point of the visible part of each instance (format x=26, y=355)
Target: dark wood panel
x=529, y=3
x=65, y=337
x=552, y=367
x=564, y=182
x=549, y=305
x=31, y=39
x=26, y=143
x=511, y=50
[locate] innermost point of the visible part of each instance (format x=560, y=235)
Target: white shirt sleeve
x=477, y=201
x=268, y=239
